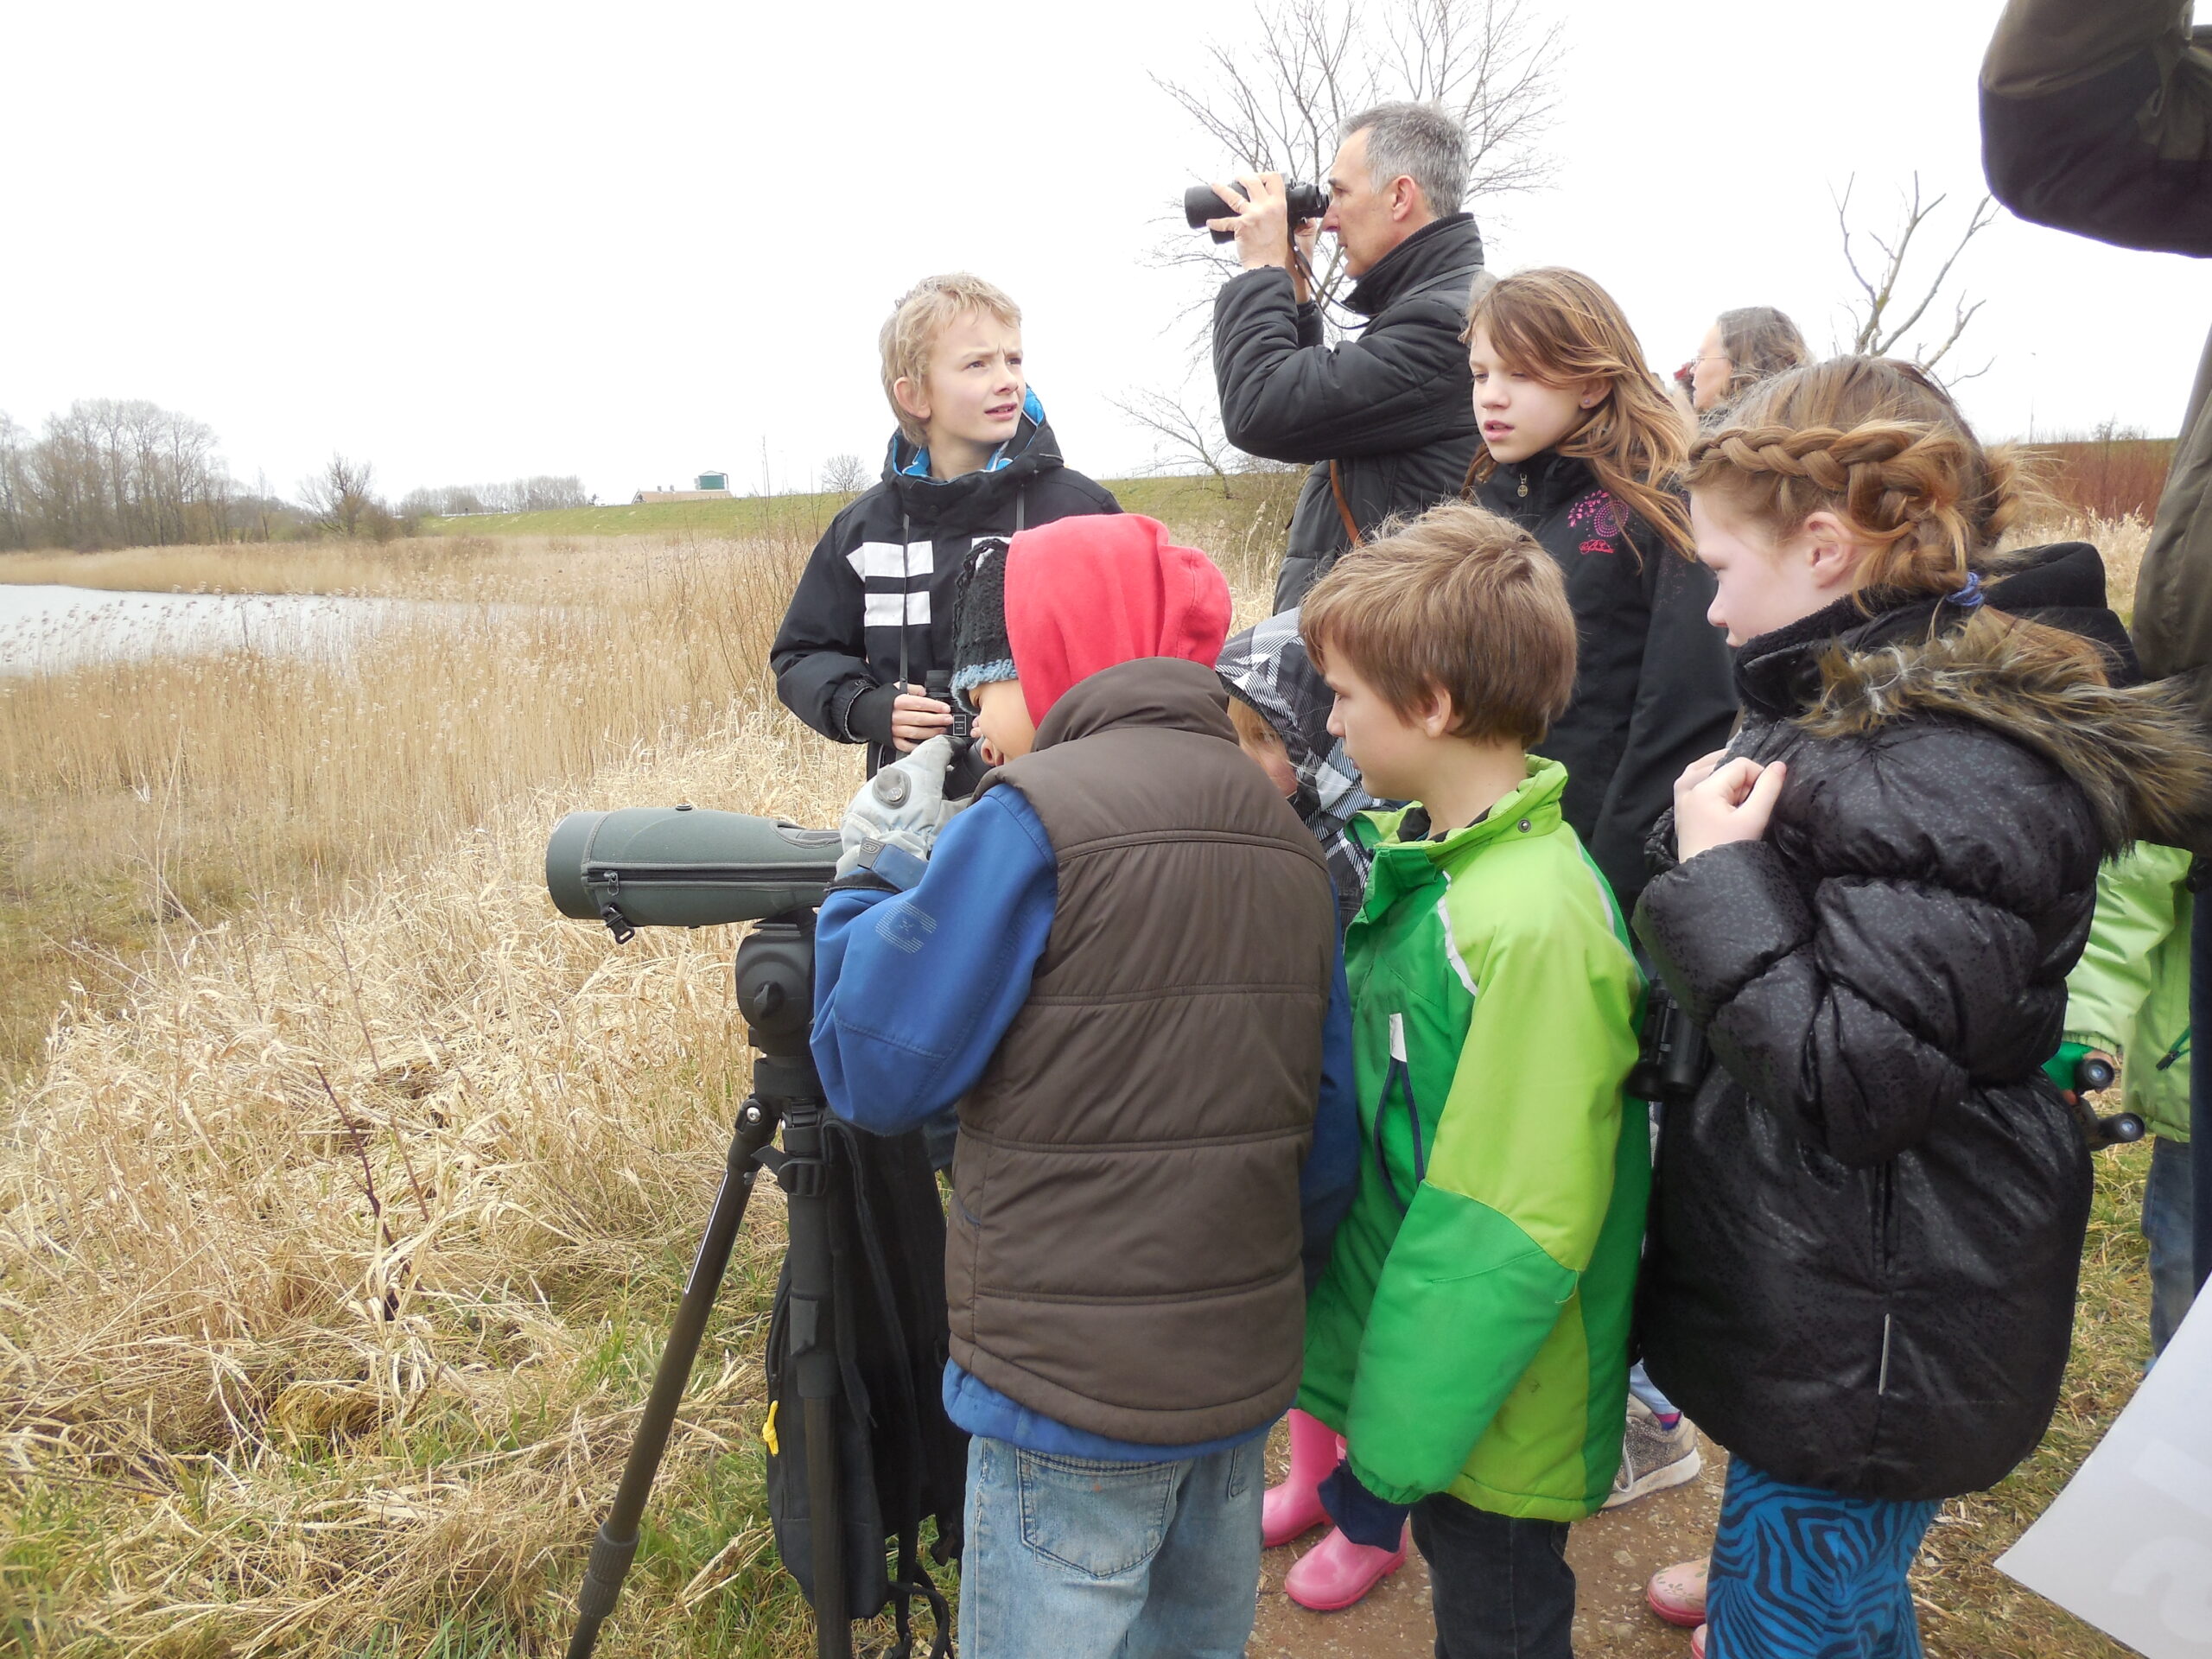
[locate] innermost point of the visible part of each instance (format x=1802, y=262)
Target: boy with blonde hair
x=1470, y=1337
x=973, y=457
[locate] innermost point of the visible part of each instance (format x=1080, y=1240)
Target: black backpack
x=900, y=1458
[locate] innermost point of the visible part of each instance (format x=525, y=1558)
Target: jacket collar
x=1540, y=485
x=1033, y=449
x=1168, y=692
x=1441, y=247
x=1398, y=838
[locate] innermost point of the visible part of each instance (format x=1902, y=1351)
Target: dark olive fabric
x=1124, y=1248
x=1867, y=1223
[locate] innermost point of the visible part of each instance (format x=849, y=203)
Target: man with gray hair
x=1386, y=419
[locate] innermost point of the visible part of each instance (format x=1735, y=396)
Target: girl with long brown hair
x=1582, y=449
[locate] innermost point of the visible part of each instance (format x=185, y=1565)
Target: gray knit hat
x=981, y=653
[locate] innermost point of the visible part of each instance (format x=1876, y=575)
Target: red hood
x=1084, y=594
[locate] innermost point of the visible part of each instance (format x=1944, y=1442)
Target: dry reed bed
x=333, y=1183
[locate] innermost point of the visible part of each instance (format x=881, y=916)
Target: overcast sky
x=466, y=242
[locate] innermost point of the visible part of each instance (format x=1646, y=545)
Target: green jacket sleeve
x=1519, y=1178
x=2136, y=914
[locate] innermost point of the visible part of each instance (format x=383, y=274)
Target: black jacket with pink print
x=1653, y=683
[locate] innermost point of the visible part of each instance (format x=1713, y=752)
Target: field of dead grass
x=341, y=1217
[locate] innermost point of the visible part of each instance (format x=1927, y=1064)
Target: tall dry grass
x=166, y=791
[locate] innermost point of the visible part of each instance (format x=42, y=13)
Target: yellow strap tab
x=768, y=1430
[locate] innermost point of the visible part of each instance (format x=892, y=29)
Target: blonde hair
x=923, y=312
x=1876, y=442
x=1561, y=326
x=1252, y=727
x=1460, y=601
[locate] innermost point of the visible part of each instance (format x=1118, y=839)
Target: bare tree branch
x=1185, y=430
x=1887, y=313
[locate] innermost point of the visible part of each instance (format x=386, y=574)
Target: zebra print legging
x=1801, y=1573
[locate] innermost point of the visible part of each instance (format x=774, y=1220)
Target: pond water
x=43, y=628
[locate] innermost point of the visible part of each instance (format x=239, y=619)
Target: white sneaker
x=1653, y=1458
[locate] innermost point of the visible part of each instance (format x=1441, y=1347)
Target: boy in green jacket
x=2128, y=998
x=1470, y=1337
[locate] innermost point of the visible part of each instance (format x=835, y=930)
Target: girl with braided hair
x=1581, y=448
x=1868, y=1218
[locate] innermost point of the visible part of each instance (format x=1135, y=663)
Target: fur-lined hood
x=2137, y=752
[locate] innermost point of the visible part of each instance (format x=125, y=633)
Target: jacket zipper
x=1400, y=1074
x=2181, y=1047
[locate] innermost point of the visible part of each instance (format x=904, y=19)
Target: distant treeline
x=544, y=494
x=125, y=472
x=2114, y=472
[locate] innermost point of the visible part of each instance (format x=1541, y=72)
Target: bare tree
x=340, y=494
x=1274, y=97
x=843, y=476
x=1888, y=310
x=1186, y=434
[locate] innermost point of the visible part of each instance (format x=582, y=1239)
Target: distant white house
x=709, y=486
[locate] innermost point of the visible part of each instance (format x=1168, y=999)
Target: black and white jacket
x=881, y=577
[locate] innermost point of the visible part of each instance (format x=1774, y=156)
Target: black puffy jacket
x=1394, y=407
x=893, y=556
x=1868, y=1221
x=1652, y=685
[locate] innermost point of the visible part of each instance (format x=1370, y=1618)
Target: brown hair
x=1561, y=326
x=1759, y=342
x=922, y=314
x=1252, y=726
x=1876, y=441
x=1460, y=601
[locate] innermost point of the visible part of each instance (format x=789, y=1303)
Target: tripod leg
x=613, y=1550
x=819, y=1386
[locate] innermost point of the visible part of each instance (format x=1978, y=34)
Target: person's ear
x=1833, y=551
x=911, y=396
x=1436, y=713
x=1594, y=393
x=1405, y=197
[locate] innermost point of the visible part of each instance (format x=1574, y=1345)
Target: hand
x=903, y=804
x=1261, y=224
x=2067, y=1087
x=916, y=719
x=1718, y=801
x=1306, y=234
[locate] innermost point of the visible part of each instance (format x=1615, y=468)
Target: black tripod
x=775, y=991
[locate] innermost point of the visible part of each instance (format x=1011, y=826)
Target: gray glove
x=902, y=806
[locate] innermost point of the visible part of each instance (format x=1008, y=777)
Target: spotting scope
x=682, y=867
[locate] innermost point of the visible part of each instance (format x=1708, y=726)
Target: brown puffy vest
x=1123, y=1252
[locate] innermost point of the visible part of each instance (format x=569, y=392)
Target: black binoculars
x=1202, y=202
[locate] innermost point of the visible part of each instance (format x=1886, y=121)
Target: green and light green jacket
x=1471, y=1334
x=2129, y=994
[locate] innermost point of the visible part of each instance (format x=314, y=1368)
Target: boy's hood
x=1401, y=835
x=1268, y=668
x=2135, y=751
x=1032, y=450
x=1088, y=592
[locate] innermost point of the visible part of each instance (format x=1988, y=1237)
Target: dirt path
x=1612, y=1554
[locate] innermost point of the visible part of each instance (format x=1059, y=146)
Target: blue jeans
x=2169, y=1209
x=1086, y=1559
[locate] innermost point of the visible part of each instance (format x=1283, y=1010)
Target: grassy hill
x=1172, y=499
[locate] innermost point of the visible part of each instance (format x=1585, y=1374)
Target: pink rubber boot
x=1337, y=1572
x=1295, y=1507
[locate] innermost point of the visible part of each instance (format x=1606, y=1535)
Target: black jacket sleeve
x=2096, y=117
x=1852, y=1009
x=1685, y=705
x=1287, y=397
x=820, y=654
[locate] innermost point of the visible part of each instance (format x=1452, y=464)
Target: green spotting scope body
x=681, y=866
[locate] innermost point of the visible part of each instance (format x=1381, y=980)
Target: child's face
x=1709, y=378
x=1272, y=759
x=1521, y=415
x=970, y=398
x=1002, y=721
x=1762, y=584
x=1396, y=756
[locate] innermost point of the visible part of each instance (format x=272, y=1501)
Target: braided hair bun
x=1879, y=442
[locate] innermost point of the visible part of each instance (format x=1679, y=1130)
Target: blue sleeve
x=913, y=990
x=1331, y=1176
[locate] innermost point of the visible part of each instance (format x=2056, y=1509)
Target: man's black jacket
x=898, y=548
x=1394, y=407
